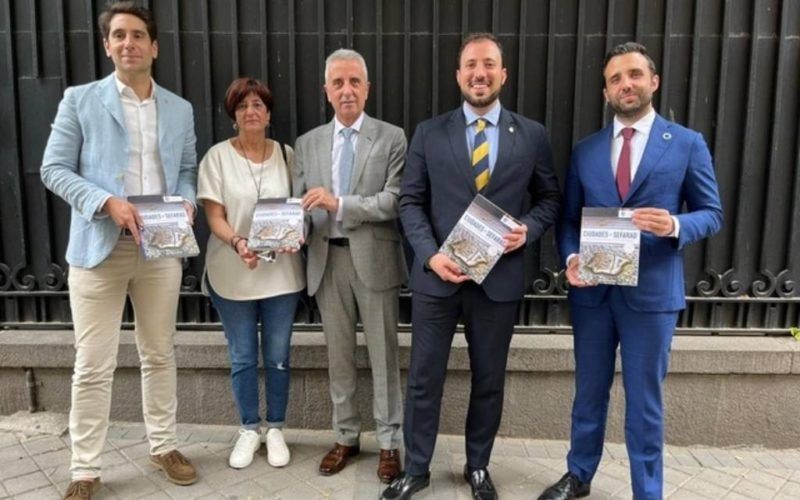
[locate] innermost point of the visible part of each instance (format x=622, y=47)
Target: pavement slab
x=36, y=466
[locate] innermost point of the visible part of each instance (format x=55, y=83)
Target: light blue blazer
x=87, y=154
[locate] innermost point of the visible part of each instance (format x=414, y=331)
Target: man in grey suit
x=348, y=173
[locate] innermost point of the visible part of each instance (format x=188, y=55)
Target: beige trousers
x=343, y=298
x=97, y=299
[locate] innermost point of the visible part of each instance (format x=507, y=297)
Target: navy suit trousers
x=488, y=327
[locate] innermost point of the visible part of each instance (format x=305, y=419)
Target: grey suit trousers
x=341, y=297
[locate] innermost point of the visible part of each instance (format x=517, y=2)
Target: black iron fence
x=729, y=68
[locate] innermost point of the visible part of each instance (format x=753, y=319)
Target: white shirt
x=336, y=154
x=143, y=173
x=638, y=141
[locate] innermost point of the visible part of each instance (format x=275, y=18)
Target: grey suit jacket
x=369, y=210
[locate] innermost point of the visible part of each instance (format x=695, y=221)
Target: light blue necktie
x=346, y=162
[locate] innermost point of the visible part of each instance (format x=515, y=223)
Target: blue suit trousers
x=644, y=340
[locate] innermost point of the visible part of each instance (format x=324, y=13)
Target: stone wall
x=721, y=391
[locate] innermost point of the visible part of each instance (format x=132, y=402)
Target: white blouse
x=226, y=177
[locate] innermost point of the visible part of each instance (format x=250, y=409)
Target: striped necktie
x=480, y=155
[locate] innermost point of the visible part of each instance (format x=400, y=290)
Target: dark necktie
x=480, y=155
x=624, y=164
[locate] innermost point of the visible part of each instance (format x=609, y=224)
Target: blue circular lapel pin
x=666, y=136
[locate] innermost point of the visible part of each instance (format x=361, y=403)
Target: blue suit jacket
x=438, y=185
x=675, y=169
x=87, y=153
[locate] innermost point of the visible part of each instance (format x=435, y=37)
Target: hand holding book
x=516, y=238
x=654, y=220
x=125, y=216
x=250, y=258
x=189, y=208
x=446, y=269
x=573, y=273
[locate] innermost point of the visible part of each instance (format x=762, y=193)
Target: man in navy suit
x=644, y=162
x=478, y=147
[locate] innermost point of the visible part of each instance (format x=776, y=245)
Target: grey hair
x=345, y=55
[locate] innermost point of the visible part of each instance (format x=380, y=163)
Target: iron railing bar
x=435, y=58
x=234, y=36
x=522, y=57
x=379, y=69
x=292, y=74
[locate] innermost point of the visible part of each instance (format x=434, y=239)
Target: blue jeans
x=240, y=319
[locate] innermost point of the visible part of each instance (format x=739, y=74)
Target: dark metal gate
x=730, y=69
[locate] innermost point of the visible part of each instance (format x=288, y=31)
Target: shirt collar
x=338, y=126
x=492, y=116
x=126, y=91
x=642, y=126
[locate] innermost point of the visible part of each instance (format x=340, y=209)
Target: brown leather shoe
x=82, y=490
x=388, y=466
x=177, y=467
x=336, y=459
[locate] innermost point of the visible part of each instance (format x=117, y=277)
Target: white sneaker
x=277, y=451
x=246, y=446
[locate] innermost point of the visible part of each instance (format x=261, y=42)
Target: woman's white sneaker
x=246, y=446
x=277, y=451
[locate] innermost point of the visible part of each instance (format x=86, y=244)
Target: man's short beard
x=619, y=111
x=483, y=101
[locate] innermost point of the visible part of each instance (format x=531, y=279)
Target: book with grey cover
x=166, y=230
x=277, y=223
x=609, y=247
x=476, y=242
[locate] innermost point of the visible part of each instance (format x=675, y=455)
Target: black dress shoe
x=481, y=484
x=568, y=487
x=405, y=486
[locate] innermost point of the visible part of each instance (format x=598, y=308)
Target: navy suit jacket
x=676, y=169
x=438, y=185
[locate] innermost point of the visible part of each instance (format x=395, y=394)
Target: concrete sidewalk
x=36, y=467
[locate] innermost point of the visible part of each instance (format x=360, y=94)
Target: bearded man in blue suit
x=442, y=176
x=644, y=162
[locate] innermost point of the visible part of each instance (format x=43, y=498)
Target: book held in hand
x=166, y=230
x=476, y=242
x=609, y=247
x=277, y=223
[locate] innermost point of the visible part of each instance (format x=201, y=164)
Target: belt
x=339, y=242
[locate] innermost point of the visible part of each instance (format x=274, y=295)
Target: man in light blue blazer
x=113, y=138
x=656, y=167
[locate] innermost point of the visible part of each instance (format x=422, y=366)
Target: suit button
x=325, y=239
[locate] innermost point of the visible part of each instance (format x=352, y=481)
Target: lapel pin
x=666, y=136
x=511, y=129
